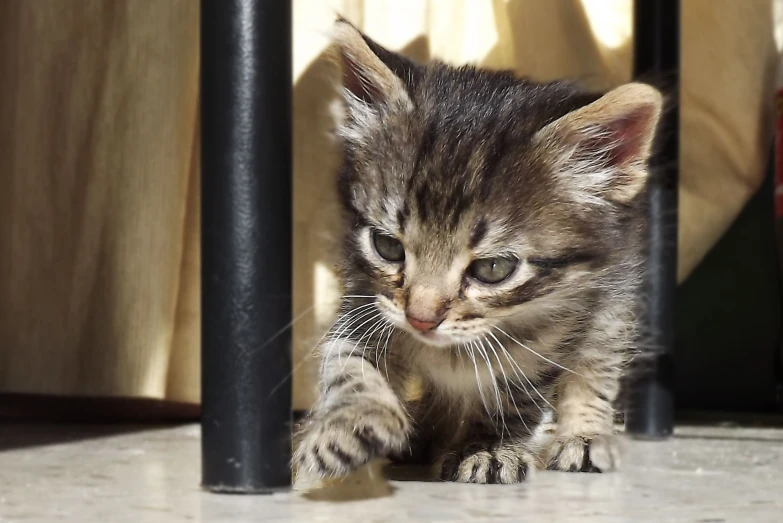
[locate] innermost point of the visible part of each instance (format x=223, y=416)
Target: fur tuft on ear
x=365, y=75
x=371, y=80
x=604, y=147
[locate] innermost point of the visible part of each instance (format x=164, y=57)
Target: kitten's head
x=473, y=197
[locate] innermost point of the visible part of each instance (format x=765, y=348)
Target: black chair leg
x=246, y=244
x=650, y=412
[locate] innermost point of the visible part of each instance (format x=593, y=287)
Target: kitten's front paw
x=583, y=454
x=482, y=463
x=342, y=440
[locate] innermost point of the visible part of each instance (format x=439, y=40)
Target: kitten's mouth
x=432, y=338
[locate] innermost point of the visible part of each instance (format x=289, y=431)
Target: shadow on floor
x=34, y=421
x=368, y=482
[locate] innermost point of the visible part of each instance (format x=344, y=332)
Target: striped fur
x=460, y=164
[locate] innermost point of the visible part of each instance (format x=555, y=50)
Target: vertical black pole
x=246, y=244
x=657, y=55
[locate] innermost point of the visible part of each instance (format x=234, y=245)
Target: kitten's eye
x=492, y=270
x=388, y=247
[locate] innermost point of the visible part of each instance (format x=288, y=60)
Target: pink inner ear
x=626, y=137
x=356, y=83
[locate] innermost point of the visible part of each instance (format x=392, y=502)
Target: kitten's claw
x=479, y=463
x=347, y=438
x=583, y=454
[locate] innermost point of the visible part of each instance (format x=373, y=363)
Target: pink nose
x=423, y=325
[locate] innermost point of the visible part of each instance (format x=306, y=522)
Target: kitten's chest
x=457, y=378
x=476, y=380
x=453, y=378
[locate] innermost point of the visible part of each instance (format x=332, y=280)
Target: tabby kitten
x=491, y=267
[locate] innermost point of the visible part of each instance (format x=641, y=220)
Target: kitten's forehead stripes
x=456, y=162
x=402, y=216
x=494, y=153
x=458, y=202
x=423, y=202
x=478, y=234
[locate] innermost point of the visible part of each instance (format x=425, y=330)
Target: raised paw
x=585, y=454
x=342, y=440
x=482, y=463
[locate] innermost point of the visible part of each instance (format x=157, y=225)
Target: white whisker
x=519, y=369
x=348, y=319
x=498, y=400
x=536, y=353
x=353, y=314
x=478, y=379
x=508, y=383
x=288, y=326
x=385, y=351
x=356, y=344
x=382, y=323
x=520, y=374
x=310, y=352
x=378, y=343
x=355, y=317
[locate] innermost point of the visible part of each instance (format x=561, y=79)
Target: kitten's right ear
x=371, y=74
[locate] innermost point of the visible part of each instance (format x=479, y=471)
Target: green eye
x=492, y=270
x=388, y=247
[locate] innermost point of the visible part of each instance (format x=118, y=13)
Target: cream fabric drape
x=98, y=180
x=99, y=160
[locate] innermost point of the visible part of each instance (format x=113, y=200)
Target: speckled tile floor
x=88, y=475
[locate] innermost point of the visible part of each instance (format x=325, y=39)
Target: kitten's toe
x=348, y=438
x=585, y=454
x=481, y=464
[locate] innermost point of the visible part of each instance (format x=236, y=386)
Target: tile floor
x=87, y=475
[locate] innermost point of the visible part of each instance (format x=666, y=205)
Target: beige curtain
x=98, y=186
x=99, y=160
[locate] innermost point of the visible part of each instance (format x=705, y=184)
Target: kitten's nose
x=423, y=325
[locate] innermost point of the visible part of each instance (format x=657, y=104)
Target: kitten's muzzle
x=424, y=325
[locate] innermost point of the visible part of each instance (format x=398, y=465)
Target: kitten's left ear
x=604, y=147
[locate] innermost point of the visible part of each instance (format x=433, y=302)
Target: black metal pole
x=246, y=244
x=650, y=411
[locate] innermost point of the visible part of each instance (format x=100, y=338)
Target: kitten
x=491, y=266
